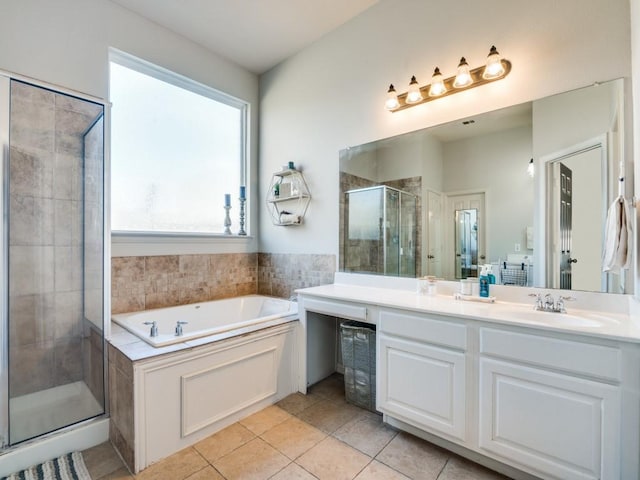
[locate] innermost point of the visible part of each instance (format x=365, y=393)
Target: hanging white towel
x=618, y=234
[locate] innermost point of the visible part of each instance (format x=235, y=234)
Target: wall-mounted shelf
x=288, y=197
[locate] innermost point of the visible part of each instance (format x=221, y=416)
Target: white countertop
x=616, y=325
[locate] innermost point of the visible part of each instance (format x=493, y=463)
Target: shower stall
x=53, y=261
x=380, y=231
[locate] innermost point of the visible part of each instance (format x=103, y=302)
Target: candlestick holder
x=242, y=202
x=227, y=220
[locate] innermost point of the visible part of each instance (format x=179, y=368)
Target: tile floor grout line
x=363, y=468
x=386, y=445
x=282, y=467
x=302, y=467
x=443, y=467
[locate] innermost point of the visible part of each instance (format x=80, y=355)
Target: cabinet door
x=422, y=385
x=562, y=426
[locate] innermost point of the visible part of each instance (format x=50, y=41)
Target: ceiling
x=255, y=34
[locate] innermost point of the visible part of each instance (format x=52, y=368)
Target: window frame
x=123, y=240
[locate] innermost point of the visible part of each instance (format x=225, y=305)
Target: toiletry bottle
x=484, y=283
x=492, y=277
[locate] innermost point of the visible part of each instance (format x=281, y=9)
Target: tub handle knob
x=179, y=328
x=154, y=328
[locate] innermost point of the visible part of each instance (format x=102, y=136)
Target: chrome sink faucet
x=548, y=304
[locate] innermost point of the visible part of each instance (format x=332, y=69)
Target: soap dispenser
x=484, y=282
x=490, y=275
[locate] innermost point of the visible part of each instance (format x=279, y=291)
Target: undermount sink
x=583, y=319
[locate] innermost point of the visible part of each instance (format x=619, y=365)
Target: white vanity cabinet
x=519, y=398
x=550, y=404
x=422, y=372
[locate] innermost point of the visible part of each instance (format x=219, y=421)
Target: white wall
x=560, y=122
x=497, y=164
x=66, y=42
x=635, y=49
x=331, y=95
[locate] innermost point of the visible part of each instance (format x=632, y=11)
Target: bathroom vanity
x=523, y=392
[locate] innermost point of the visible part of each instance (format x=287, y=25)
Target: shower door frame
x=5, y=111
x=5, y=102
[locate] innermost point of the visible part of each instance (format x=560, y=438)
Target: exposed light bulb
x=494, y=67
x=414, y=95
x=531, y=168
x=463, y=78
x=437, y=84
x=392, y=99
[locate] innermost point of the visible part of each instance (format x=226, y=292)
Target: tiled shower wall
x=141, y=283
x=45, y=238
x=367, y=255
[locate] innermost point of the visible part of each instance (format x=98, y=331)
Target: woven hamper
x=358, y=344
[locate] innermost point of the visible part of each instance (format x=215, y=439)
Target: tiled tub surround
x=143, y=283
x=48, y=190
x=280, y=274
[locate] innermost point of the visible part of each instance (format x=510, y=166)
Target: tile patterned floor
x=303, y=437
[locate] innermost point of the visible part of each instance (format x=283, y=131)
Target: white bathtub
x=204, y=319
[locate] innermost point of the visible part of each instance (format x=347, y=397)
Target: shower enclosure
x=380, y=231
x=53, y=260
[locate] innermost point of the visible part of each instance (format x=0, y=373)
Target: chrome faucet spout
x=548, y=304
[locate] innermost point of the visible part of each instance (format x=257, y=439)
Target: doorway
x=465, y=234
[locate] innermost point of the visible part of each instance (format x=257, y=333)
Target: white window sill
x=132, y=244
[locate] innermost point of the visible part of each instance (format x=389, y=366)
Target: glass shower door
x=55, y=209
x=408, y=232
x=392, y=249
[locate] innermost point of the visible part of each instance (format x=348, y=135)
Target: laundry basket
x=358, y=344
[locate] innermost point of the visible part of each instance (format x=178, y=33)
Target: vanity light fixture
x=392, y=99
x=463, y=78
x=531, y=168
x=413, y=95
x=437, y=87
x=495, y=68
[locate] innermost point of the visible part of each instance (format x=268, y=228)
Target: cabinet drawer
x=583, y=358
x=423, y=328
x=336, y=309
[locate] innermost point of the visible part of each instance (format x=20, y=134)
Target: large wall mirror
x=524, y=189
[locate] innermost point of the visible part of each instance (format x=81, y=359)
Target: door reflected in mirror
x=520, y=224
x=466, y=244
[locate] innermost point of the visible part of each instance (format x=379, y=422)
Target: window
x=177, y=147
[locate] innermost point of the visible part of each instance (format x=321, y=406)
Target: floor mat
x=68, y=467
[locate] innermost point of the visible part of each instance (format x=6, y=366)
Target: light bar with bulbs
x=496, y=68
